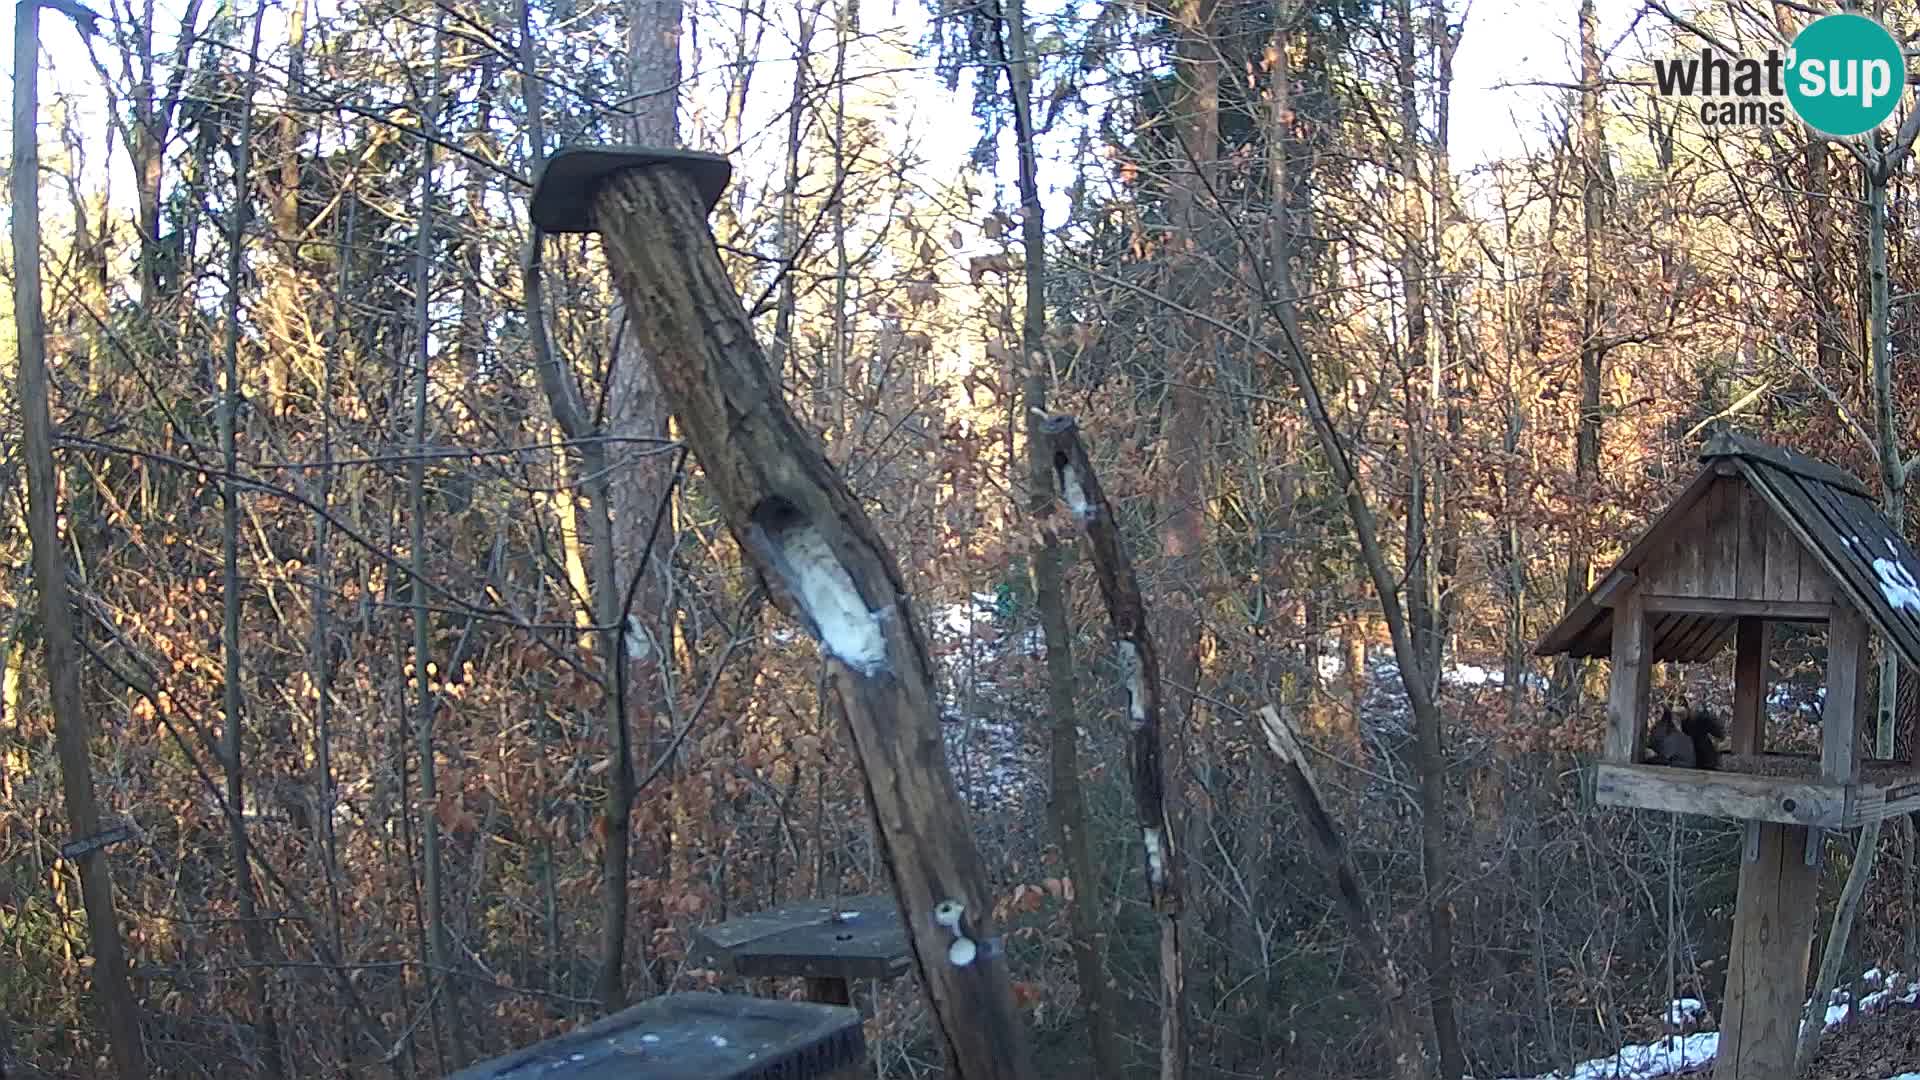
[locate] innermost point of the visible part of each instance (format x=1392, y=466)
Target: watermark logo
x=1842, y=76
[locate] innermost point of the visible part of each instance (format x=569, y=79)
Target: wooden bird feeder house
x=1761, y=535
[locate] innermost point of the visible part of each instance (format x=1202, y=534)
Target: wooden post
x=1627, y=689
x=811, y=542
x=1767, y=969
x=1846, y=682
x=1750, y=685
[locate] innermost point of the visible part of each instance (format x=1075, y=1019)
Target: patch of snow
x=1897, y=584
x=1474, y=675
x=1678, y=1054
x=1685, y=1010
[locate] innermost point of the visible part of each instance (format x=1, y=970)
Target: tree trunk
x=253, y=931
x=1069, y=800
x=1893, y=502
x=1594, y=170
x=119, y=1010
x=638, y=630
x=439, y=954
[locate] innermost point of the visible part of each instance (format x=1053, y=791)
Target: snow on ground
x=1678, y=1053
x=994, y=765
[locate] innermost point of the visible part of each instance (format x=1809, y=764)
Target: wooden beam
x=1721, y=794
x=1750, y=685
x=1776, y=610
x=811, y=542
x=1610, y=586
x=1627, y=689
x=1846, y=681
x=1767, y=970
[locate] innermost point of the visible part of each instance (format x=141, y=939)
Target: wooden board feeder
x=829, y=943
x=1761, y=535
x=696, y=1037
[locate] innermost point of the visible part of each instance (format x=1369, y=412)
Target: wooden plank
x=1697, y=643
x=1802, y=511
x=1840, y=713
x=1878, y=802
x=1774, y=610
x=1749, y=727
x=1783, y=556
x=1627, y=685
x=1754, y=520
x=1720, y=794
x=1816, y=585
x=695, y=1037
x=1720, y=554
x=1685, y=565
x=1773, y=926
x=1610, y=586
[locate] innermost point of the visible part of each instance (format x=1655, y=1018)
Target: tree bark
x=119, y=1010
x=812, y=542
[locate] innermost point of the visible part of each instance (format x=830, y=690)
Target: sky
x=1499, y=110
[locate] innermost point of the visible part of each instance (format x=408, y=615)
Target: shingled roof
x=1829, y=512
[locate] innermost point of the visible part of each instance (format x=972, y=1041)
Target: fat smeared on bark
x=760, y=464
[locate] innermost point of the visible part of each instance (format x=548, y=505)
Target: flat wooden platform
x=696, y=1037
x=854, y=937
x=1784, y=788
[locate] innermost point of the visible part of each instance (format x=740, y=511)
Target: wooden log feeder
x=829, y=943
x=818, y=554
x=696, y=1037
x=1761, y=535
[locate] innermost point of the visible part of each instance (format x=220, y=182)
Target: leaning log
x=1406, y=1046
x=820, y=557
x=1079, y=487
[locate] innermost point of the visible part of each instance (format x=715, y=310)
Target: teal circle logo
x=1845, y=74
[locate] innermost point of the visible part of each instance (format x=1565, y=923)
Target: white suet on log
x=1136, y=682
x=1074, y=492
x=1156, y=858
x=820, y=586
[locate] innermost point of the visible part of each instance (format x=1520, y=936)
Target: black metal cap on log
x=563, y=192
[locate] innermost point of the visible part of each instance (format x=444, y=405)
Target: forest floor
x=1874, y=1046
